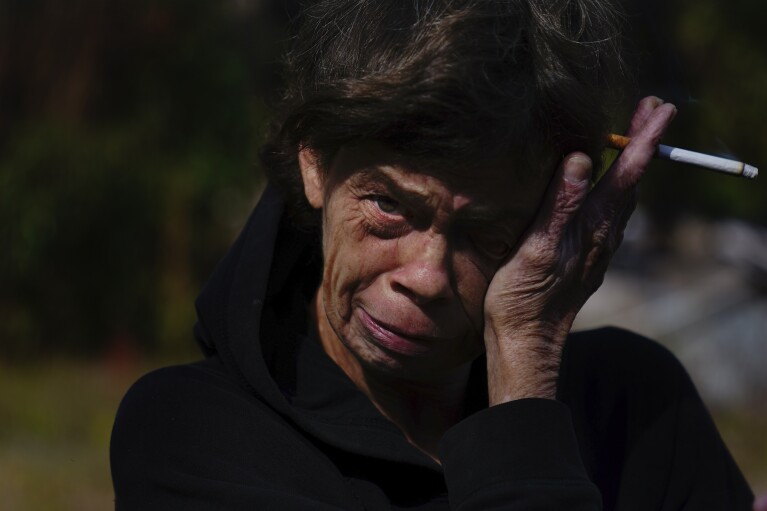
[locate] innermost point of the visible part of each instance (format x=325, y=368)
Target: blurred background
x=128, y=141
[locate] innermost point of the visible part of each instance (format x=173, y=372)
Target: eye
x=387, y=205
x=385, y=217
x=492, y=245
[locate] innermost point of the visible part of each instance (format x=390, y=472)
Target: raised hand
x=534, y=297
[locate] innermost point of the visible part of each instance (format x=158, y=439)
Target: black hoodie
x=268, y=421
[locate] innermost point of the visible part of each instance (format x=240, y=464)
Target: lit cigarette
x=715, y=163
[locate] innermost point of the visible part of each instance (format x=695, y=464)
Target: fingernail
x=577, y=168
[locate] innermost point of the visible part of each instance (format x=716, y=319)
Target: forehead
x=483, y=189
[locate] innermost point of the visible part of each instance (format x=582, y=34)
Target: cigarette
x=715, y=163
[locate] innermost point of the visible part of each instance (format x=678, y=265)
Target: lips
x=395, y=339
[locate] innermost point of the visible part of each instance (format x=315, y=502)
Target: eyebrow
x=379, y=174
x=476, y=212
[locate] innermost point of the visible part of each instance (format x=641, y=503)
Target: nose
x=424, y=272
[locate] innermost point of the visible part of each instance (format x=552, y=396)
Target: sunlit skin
x=409, y=256
x=408, y=259
x=424, y=271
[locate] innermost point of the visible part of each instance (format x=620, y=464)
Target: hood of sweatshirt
x=253, y=315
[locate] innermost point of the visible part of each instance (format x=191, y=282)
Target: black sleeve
x=519, y=455
x=628, y=432
x=186, y=438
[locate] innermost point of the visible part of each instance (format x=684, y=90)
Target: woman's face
x=408, y=256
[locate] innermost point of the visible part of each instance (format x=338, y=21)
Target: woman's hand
x=534, y=297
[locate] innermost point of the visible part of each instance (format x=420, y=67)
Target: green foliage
x=115, y=207
x=79, y=222
x=128, y=139
x=718, y=81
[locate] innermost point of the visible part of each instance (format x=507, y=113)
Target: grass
x=56, y=418
x=55, y=423
x=744, y=432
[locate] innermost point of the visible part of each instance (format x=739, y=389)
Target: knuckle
x=570, y=198
x=539, y=250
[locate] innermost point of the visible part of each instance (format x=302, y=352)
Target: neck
x=423, y=410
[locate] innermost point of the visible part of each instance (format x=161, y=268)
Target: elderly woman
x=392, y=328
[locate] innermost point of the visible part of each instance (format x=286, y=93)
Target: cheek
x=472, y=281
x=353, y=260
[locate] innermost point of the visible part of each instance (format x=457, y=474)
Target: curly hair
x=449, y=83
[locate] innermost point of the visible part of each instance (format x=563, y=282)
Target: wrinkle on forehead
x=481, y=192
x=482, y=201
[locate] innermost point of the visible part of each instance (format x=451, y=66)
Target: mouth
x=394, y=339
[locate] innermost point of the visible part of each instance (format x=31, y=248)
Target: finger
x=645, y=107
x=565, y=196
x=605, y=216
x=634, y=159
x=613, y=199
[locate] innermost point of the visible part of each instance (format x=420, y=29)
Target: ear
x=310, y=173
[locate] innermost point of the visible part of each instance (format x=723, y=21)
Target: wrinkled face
x=409, y=256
